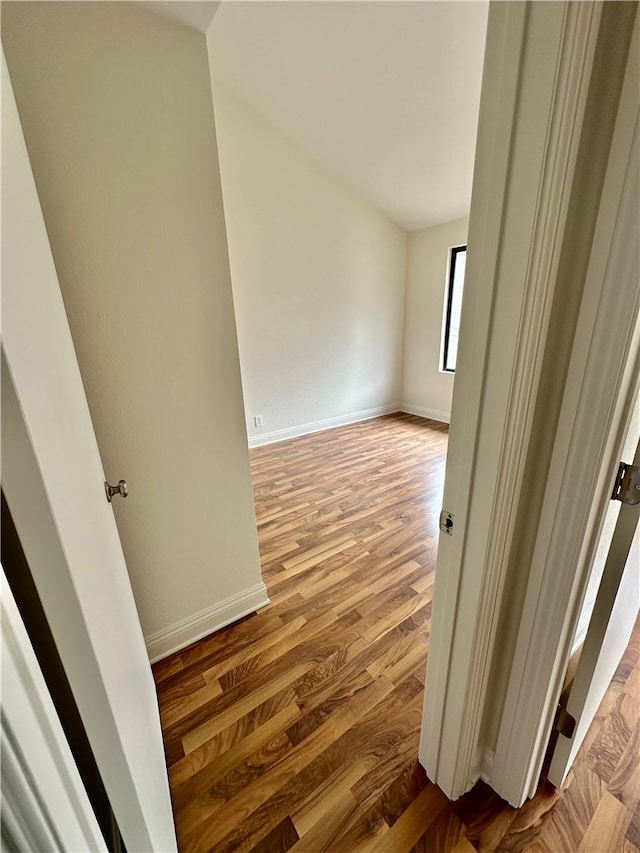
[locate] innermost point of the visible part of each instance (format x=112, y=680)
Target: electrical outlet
x=257, y=420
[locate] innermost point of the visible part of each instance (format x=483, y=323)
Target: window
x=452, y=306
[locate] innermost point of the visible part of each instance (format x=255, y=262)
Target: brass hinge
x=565, y=723
x=627, y=485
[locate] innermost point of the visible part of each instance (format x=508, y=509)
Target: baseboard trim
x=181, y=634
x=432, y=414
x=319, y=426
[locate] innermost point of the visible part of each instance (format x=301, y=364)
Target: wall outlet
x=258, y=421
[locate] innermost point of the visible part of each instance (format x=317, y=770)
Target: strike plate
x=446, y=522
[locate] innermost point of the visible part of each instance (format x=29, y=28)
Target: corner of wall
x=181, y=634
x=427, y=391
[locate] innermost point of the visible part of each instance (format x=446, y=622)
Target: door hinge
x=627, y=485
x=565, y=723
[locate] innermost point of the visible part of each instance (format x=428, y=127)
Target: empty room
x=300, y=548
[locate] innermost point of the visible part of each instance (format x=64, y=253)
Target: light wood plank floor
x=297, y=728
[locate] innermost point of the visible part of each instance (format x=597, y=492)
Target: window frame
x=452, y=256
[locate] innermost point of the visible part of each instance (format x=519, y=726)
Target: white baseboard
x=163, y=643
x=432, y=414
x=318, y=426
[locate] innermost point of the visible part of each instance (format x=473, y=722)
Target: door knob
x=121, y=489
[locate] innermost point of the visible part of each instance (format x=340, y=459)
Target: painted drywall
x=318, y=283
x=385, y=95
x=426, y=390
x=52, y=482
x=116, y=107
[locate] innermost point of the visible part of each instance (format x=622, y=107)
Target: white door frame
x=601, y=390
x=536, y=82
x=531, y=112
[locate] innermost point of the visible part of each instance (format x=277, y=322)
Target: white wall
x=426, y=390
x=53, y=484
x=116, y=107
x=318, y=283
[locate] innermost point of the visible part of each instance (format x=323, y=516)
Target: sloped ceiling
x=385, y=94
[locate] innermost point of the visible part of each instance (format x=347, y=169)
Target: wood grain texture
x=297, y=728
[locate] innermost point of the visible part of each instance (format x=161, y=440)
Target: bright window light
x=452, y=307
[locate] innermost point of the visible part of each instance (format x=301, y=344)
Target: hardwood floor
x=297, y=728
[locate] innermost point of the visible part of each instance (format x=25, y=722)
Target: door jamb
x=594, y=418
x=520, y=198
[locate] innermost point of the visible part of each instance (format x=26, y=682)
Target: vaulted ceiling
x=385, y=94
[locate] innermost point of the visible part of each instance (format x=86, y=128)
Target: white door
x=53, y=482
x=44, y=805
x=614, y=615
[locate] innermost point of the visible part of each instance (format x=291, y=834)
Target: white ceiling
x=385, y=94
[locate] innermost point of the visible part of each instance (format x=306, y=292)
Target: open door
x=614, y=615
x=53, y=481
x=44, y=804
